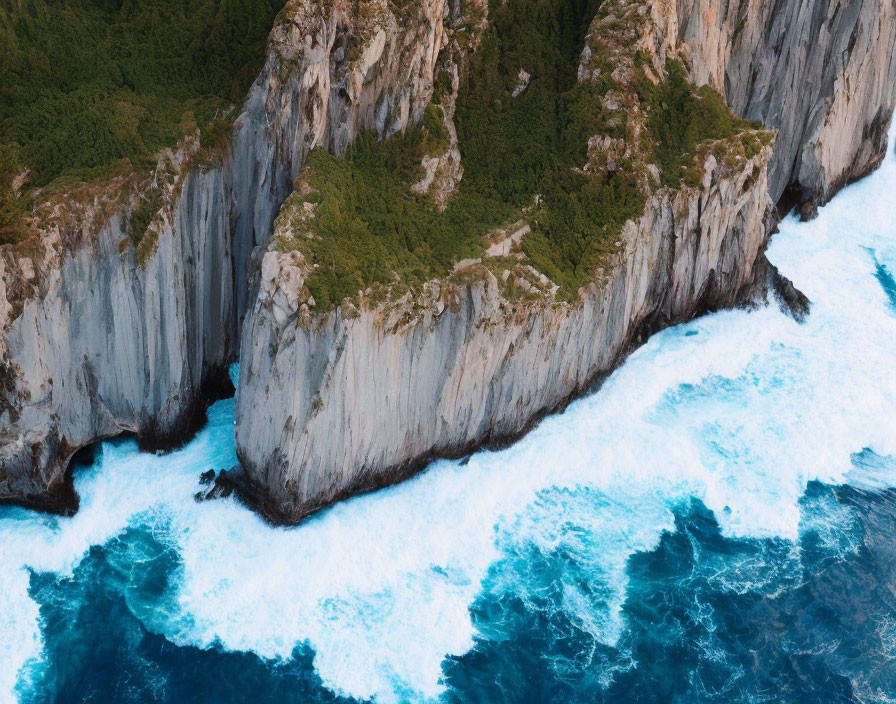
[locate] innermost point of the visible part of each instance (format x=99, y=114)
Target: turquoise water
x=717, y=523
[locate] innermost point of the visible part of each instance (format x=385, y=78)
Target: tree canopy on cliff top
x=87, y=84
x=514, y=144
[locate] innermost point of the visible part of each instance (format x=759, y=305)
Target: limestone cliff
x=337, y=403
x=332, y=405
x=100, y=337
x=104, y=331
x=821, y=72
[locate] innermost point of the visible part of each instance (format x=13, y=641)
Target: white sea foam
x=737, y=409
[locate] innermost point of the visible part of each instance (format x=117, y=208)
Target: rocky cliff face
x=99, y=336
x=821, y=72
x=331, y=405
x=334, y=68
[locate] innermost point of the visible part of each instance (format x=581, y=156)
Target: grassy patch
x=369, y=224
x=91, y=83
x=368, y=227
x=680, y=118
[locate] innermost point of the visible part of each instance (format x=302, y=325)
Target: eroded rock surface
x=820, y=72
x=333, y=405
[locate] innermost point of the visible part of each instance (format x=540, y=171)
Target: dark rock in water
x=789, y=297
x=218, y=491
x=221, y=487
x=808, y=210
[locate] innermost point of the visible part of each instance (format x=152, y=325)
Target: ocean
x=716, y=524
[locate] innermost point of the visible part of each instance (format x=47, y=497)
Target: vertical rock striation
x=333, y=405
x=106, y=338
x=821, y=72
x=99, y=337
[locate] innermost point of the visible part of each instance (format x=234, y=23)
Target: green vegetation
x=580, y=224
x=680, y=118
x=369, y=227
x=143, y=213
x=13, y=210
x=508, y=144
x=369, y=224
x=441, y=86
x=434, y=130
x=88, y=84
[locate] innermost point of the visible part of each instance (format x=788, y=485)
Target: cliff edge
x=342, y=393
x=428, y=225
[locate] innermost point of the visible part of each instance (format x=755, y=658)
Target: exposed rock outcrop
x=821, y=72
x=99, y=336
x=337, y=403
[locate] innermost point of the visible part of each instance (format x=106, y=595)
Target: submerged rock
x=791, y=299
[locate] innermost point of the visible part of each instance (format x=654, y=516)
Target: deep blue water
x=708, y=618
x=716, y=524
x=100, y=649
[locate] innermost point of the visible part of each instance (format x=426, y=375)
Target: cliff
x=820, y=72
x=120, y=312
x=107, y=326
x=333, y=405
x=101, y=337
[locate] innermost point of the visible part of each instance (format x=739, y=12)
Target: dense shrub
x=12, y=209
x=143, y=213
x=680, y=118
x=435, y=133
x=508, y=144
x=89, y=83
x=369, y=224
